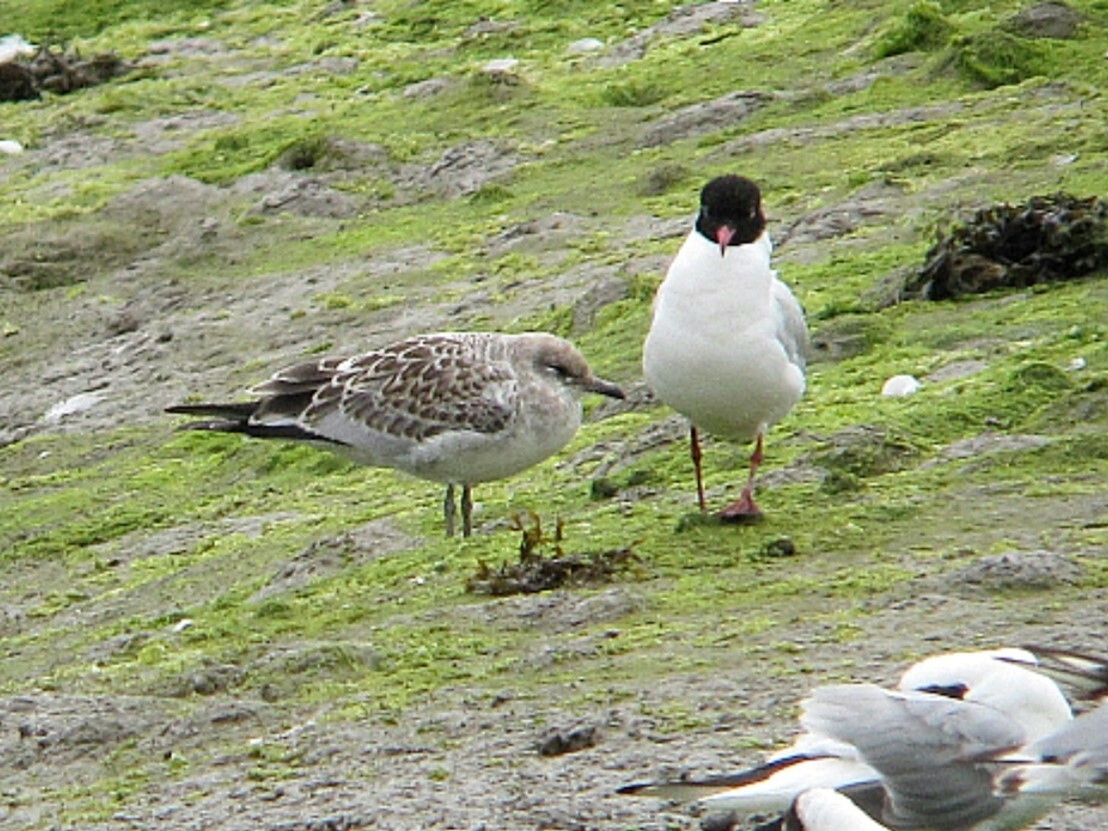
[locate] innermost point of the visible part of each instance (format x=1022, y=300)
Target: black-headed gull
x=455, y=407
x=1005, y=680
x=727, y=341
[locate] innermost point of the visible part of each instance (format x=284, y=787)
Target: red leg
x=744, y=509
x=694, y=448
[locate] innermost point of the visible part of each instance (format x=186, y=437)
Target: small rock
x=465, y=168
x=501, y=69
x=724, y=821
x=1018, y=570
x=425, y=89
x=207, y=681
x=600, y=294
x=956, y=370
x=571, y=741
x=861, y=452
x=487, y=26
x=705, y=117
x=846, y=336
x=584, y=46
x=305, y=197
x=10, y=147
x=1046, y=20
x=777, y=548
x=188, y=47
x=660, y=179
x=989, y=442
x=123, y=322
x=900, y=385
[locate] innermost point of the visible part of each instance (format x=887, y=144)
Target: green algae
x=59, y=21
x=994, y=59
x=923, y=27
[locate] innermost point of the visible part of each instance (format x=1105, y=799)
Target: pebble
x=900, y=385
x=499, y=67
x=584, y=46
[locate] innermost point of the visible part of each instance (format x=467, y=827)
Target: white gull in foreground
x=956, y=765
x=727, y=341
x=1005, y=681
x=456, y=407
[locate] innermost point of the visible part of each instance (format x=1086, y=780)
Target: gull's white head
x=1004, y=679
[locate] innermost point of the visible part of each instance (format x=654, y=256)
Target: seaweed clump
x=58, y=72
x=1046, y=239
x=537, y=571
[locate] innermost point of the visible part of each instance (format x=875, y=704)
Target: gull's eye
x=561, y=372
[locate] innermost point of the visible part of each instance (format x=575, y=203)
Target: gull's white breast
x=725, y=347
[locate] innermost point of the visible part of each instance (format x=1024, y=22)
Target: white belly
x=469, y=457
x=733, y=387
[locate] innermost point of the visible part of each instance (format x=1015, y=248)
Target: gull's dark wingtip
x=238, y=411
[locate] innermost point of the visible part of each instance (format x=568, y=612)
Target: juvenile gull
x=452, y=407
x=727, y=341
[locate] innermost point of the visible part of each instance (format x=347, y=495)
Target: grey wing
x=1072, y=760
x=792, y=330
x=1083, y=740
x=928, y=749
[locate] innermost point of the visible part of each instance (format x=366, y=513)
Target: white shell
x=900, y=385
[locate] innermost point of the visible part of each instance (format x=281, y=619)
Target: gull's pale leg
x=448, y=510
x=467, y=511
